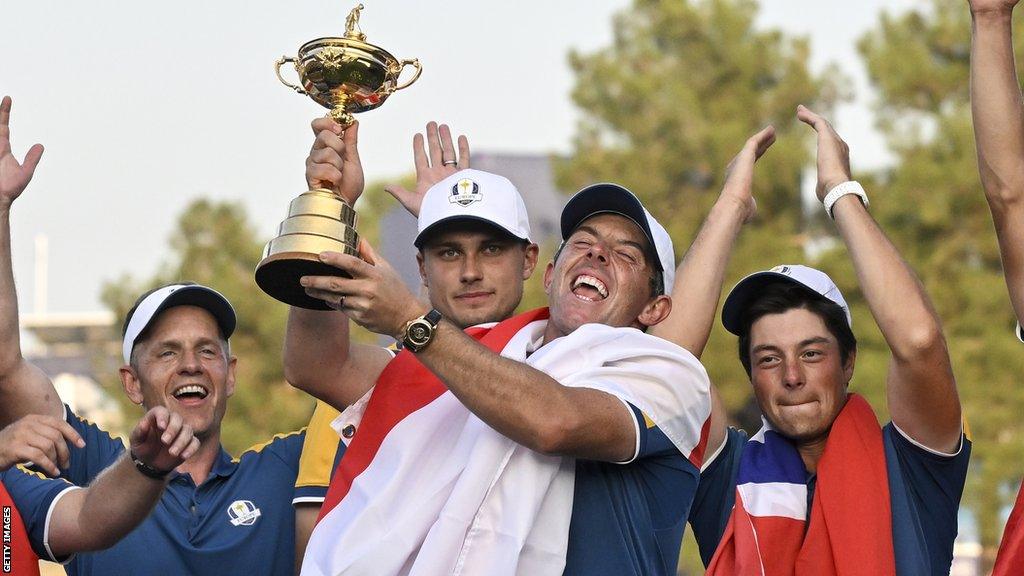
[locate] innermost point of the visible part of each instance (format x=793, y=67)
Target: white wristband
x=840, y=190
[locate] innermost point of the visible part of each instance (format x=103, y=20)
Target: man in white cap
x=474, y=254
x=822, y=488
x=998, y=115
x=533, y=446
x=218, y=514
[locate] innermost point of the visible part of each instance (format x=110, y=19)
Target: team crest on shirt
x=465, y=192
x=243, y=513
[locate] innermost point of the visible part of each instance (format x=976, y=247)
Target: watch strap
x=148, y=470
x=843, y=189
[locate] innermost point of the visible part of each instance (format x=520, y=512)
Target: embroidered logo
x=465, y=192
x=243, y=513
x=781, y=270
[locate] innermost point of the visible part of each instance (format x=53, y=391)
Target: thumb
x=368, y=254
x=403, y=196
x=351, y=139
x=32, y=159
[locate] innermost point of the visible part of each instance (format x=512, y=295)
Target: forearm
x=999, y=132
x=895, y=297
x=316, y=348
x=700, y=276
x=526, y=404
x=997, y=109
x=97, y=517
x=24, y=389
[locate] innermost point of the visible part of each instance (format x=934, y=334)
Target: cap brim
x=205, y=298
x=606, y=199
x=745, y=290
x=450, y=220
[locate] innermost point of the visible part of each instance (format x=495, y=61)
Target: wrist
x=410, y=315
x=147, y=470
x=997, y=14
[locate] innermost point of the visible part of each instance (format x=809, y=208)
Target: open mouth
x=190, y=392
x=588, y=288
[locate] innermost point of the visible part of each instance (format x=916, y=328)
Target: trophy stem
x=341, y=116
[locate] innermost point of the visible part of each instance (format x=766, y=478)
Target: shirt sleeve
x=100, y=451
x=716, y=494
x=34, y=495
x=320, y=453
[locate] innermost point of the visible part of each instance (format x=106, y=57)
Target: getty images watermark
x=7, y=541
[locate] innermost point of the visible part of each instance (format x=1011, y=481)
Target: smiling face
x=183, y=364
x=603, y=275
x=474, y=272
x=798, y=374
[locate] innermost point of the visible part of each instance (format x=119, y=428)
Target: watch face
x=419, y=332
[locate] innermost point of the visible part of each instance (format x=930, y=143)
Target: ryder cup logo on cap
x=465, y=192
x=750, y=287
x=473, y=195
x=151, y=304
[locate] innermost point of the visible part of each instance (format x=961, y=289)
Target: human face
x=798, y=374
x=603, y=276
x=474, y=273
x=183, y=365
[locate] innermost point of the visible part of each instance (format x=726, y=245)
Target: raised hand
x=333, y=162
x=739, y=175
x=163, y=440
x=437, y=163
x=14, y=176
x=833, y=153
x=41, y=440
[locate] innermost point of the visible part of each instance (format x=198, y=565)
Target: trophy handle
x=419, y=70
x=277, y=69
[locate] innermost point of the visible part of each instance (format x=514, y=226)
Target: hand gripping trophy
x=347, y=75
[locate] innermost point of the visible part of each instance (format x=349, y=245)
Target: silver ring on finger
x=450, y=162
x=341, y=303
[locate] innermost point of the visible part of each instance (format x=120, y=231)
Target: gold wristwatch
x=420, y=331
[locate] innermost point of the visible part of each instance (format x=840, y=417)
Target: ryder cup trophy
x=346, y=75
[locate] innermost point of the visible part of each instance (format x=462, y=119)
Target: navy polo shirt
x=628, y=519
x=33, y=494
x=239, y=521
x=924, y=491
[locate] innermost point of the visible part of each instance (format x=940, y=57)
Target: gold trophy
x=347, y=75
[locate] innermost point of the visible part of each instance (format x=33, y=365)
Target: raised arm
x=24, y=388
x=999, y=133
x=920, y=387
x=319, y=357
x=700, y=275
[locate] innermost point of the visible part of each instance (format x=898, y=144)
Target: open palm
x=14, y=175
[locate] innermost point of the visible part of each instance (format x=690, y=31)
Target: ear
x=229, y=385
x=531, y=254
x=656, y=310
x=131, y=383
x=848, y=367
x=549, y=273
x=423, y=271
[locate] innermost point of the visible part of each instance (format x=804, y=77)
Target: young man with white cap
x=998, y=115
x=474, y=254
x=532, y=446
x=218, y=515
x=822, y=488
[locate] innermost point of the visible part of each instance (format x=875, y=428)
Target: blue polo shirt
x=33, y=494
x=628, y=519
x=924, y=491
x=239, y=521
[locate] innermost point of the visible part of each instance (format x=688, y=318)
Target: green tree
x=933, y=206
x=664, y=109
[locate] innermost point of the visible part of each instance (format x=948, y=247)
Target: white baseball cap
x=152, y=303
x=474, y=195
x=748, y=288
x=608, y=198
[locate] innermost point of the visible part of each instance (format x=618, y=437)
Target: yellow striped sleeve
x=319, y=448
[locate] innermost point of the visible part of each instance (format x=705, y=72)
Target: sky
x=143, y=107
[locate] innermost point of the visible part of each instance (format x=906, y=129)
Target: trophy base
x=279, y=275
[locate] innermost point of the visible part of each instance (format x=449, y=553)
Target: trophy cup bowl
x=347, y=75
